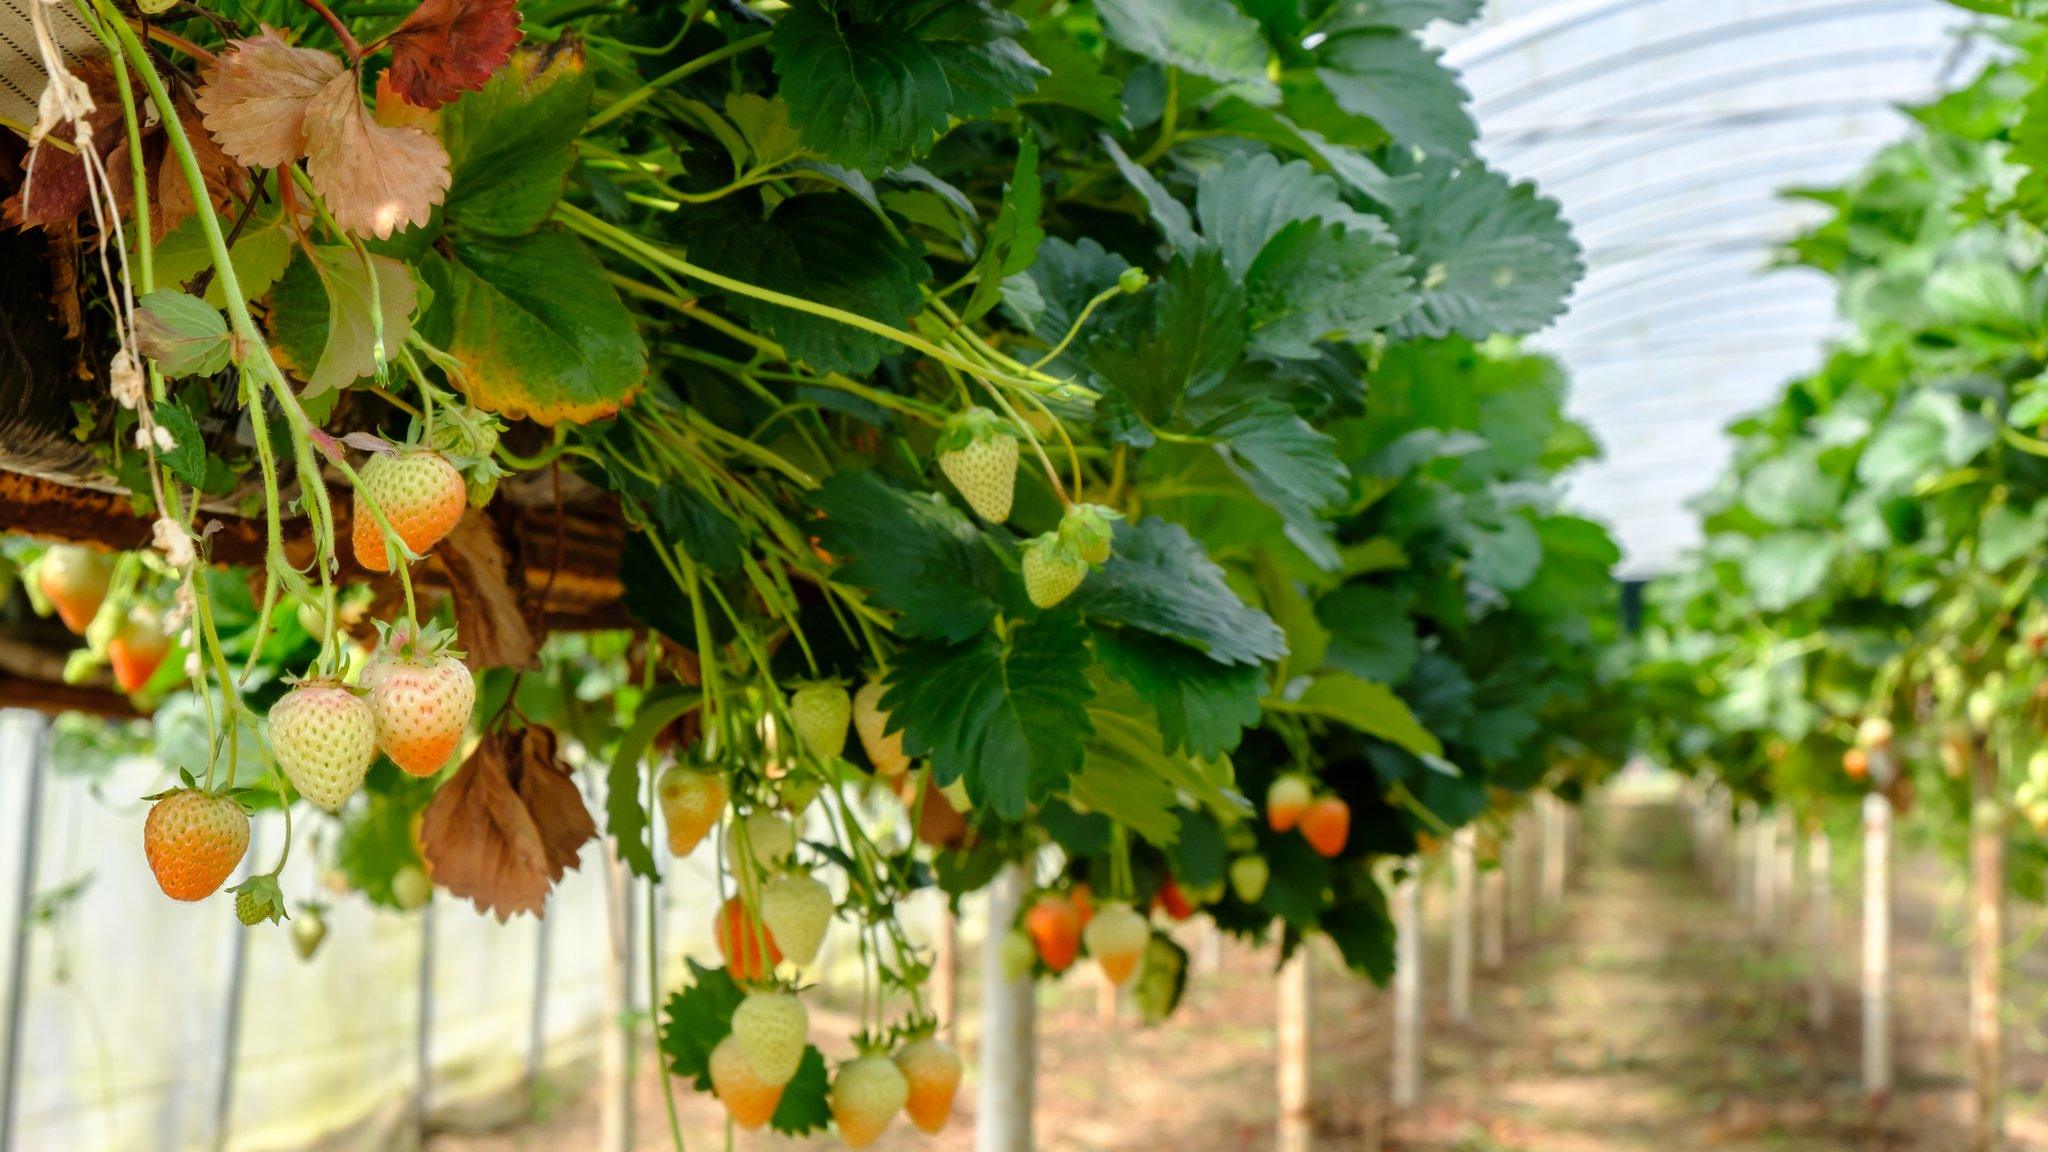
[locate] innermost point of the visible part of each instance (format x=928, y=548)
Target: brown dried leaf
x=448, y=47
x=376, y=179
x=257, y=93
x=491, y=614
x=506, y=826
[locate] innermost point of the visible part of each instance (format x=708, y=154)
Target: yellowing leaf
x=320, y=315
x=255, y=97
x=376, y=179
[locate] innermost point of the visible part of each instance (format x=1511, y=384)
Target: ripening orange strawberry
x=1055, y=928
x=419, y=492
x=692, y=800
x=421, y=695
x=931, y=1069
x=740, y=940
x=1856, y=762
x=1287, y=801
x=1327, y=825
x=748, y=1099
x=138, y=649
x=1116, y=938
x=866, y=1095
x=74, y=580
x=193, y=840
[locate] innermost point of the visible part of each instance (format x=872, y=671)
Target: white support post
x=1877, y=934
x=1291, y=1035
x=1744, y=853
x=1493, y=898
x=1820, y=930
x=1464, y=888
x=1407, y=1041
x=1788, y=877
x=946, y=970
x=1987, y=954
x=1763, y=869
x=1009, y=1042
x=1521, y=858
x=1551, y=810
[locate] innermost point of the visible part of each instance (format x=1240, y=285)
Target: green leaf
x=915, y=554
x=1202, y=706
x=1126, y=775
x=2008, y=534
x=187, y=457
x=1504, y=555
x=185, y=335
x=1159, y=580
x=1206, y=37
x=1398, y=83
x=696, y=1019
x=1490, y=256
x=703, y=529
x=259, y=254
x=1289, y=465
x=826, y=248
x=511, y=144
x=1371, y=634
x=1162, y=979
x=1178, y=338
x=1168, y=213
x=1325, y=282
x=541, y=334
x=1251, y=197
x=1363, y=934
x=1074, y=77
x=1370, y=707
x=805, y=1106
x=1007, y=715
x=376, y=841
x=872, y=83
x=1013, y=240
x=1784, y=568
x=765, y=125
x=1401, y=15
x=320, y=316
x=625, y=809
x=1791, y=489
x=1065, y=278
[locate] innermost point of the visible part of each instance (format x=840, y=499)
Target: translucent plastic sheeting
x=1668, y=129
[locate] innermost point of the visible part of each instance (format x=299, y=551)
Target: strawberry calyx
x=1089, y=530
x=408, y=643
x=972, y=426
x=259, y=900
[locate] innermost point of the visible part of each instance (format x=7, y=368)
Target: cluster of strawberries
x=1059, y=924
x=75, y=580
x=979, y=454
x=412, y=699
x=1324, y=821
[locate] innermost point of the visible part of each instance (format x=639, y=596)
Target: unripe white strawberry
x=797, y=908
x=979, y=455
x=866, y=1095
x=932, y=1070
x=770, y=836
x=1052, y=570
x=692, y=800
x=884, y=748
x=324, y=738
x=772, y=1029
x=1116, y=937
x=820, y=712
x=1089, y=531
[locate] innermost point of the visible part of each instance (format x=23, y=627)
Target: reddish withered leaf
x=448, y=47
x=377, y=179
x=506, y=826
x=256, y=95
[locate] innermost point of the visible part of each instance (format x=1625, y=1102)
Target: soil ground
x=1639, y=1017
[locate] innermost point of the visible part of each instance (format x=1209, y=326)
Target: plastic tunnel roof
x=1668, y=129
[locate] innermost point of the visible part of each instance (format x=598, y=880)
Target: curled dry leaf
x=506, y=826
x=448, y=47
x=255, y=97
x=377, y=179
x=493, y=613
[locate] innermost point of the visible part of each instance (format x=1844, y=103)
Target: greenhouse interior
x=1067, y=575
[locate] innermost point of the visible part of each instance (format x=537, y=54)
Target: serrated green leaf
x=1787, y=567
x=765, y=125
x=184, y=335
x=1370, y=707
x=259, y=254
x=805, y=1106
x=1013, y=240
x=1159, y=580
x=1202, y=706
x=1291, y=466
x=915, y=554
x=320, y=315
x=1206, y=37
x=1007, y=715
x=1250, y=198
x=696, y=1019
x=1371, y=634
x=512, y=143
x=1489, y=256
x=1318, y=282
x=1401, y=15
x=1402, y=85
x=1168, y=213
x=1178, y=338
x=187, y=457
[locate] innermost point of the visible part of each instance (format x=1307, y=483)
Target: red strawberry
x=1173, y=901
x=1327, y=825
x=1052, y=570
x=1116, y=938
x=421, y=695
x=748, y=1099
x=324, y=738
x=740, y=940
x=820, y=712
x=193, y=840
x=74, y=580
x=419, y=492
x=884, y=748
x=773, y=1029
x=797, y=908
x=1055, y=927
x=932, y=1070
x=866, y=1095
x=692, y=800
x=1286, y=802
x=138, y=649
x=979, y=455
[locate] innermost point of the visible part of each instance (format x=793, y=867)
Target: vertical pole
x=24, y=750
x=1009, y=1048
x=1743, y=855
x=1493, y=885
x=1552, y=811
x=1522, y=891
x=1877, y=934
x=1820, y=939
x=1987, y=953
x=1292, y=1040
x=1788, y=877
x=1407, y=1087
x=1763, y=873
x=1717, y=838
x=1464, y=884
x=946, y=969
x=537, y=1023
x=424, y=1054
x=615, y=1044
x=231, y=1023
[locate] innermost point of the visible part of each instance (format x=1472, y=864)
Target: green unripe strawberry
x=258, y=900
x=979, y=455
x=1052, y=570
x=1017, y=956
x=797, y=908
x=821, y=713
x=1089, y=530
x=772, y=1029
x=1248, y=876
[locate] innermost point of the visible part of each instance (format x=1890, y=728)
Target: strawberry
x=74, y=580
x=139, y=648
x=1173, y=901
x=1874, y=732
x=748, y=1099
x=1326, y=825
x=797, y=908
x=1248, y=876
x=932, y=1070
x=1055, y=927
x=411, y=888
x=1016, y=954
x=1286, y=802
x=1116, y=937
x=194, y=840
x=324, y=738
x=1052, y=570
x=692, y=800
x=772, y=1028
x=770, y=837
x=419, y=492
x=820, y=712
x=743, y=955
x=309, y=929
x=884, y=748
x=1088, y=530
x=421, y=695
x=979, y=455
x=1083, y=899
x=866, y=1095
x=1856, y=762
x=258, y=900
